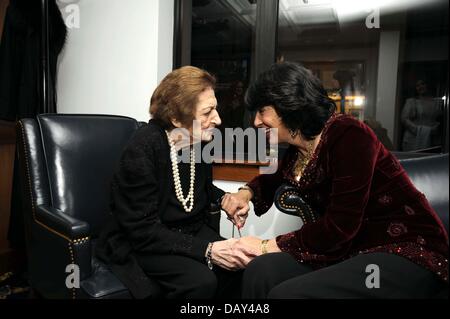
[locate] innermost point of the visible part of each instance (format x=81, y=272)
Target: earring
x=293, y=133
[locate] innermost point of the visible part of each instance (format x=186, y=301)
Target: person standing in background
x=420, y=118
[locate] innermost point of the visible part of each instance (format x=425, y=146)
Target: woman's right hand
x=236, y=206
x=232, y=254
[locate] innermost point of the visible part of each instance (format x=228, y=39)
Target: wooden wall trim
x=7, y=132
x=7, y=152
x=235, y=172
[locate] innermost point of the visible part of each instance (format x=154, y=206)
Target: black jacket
x=139, y=195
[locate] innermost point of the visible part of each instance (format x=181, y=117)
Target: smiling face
x=206, y=115
x=267, y=118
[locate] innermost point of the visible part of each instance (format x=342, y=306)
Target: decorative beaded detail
x=430, y=260
x=385, y=200
x=409, y=210
x=414, y=252
x=310, y=171
x=397, y=229
x=421, y=240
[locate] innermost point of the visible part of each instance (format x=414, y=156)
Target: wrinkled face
x=206, y=115
x=267, y=118
x=205, y=120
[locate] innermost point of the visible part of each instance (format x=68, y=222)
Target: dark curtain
x=21, y=90
x=20, y=54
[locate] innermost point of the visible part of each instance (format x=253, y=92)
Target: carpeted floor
x=14, y=286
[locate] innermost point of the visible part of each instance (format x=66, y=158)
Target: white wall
x=388, y=57
x=112, y=63
x=165, y=36
x=269, y=225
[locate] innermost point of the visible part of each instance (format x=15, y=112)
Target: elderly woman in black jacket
x=161, y=229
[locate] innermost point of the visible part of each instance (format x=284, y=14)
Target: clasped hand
x=234, y=254
x=236, y=206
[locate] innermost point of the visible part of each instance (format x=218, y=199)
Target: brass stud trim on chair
x=80, y=241
x=298, y=209
x=33, y=209
x=72, y=261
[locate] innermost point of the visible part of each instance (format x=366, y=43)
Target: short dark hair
x=297, y=96
x=177, y=95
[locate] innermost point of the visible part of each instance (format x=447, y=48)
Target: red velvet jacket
x=365, y=200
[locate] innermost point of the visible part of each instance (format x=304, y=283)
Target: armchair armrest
x=50, y=255
x=288, y=200
x=63, y=224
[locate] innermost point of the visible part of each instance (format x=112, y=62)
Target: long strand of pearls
x=176, y=177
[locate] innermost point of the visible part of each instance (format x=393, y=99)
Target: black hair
x=297, y=96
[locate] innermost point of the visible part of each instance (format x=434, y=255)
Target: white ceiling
x=324, y=18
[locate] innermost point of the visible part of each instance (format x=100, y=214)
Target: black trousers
x=280, y=276
x=183, y=277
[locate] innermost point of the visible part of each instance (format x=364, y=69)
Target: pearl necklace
x=176, y=177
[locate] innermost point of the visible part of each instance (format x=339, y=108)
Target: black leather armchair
x=430, y=175
x=66, y=163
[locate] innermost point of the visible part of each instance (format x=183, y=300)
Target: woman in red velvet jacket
x=375, y=234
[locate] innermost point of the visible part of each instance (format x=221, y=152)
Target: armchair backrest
x=430, y=175
x=73, y=158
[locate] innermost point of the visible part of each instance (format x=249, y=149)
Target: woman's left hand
x=232, y=254
x=253, y=242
